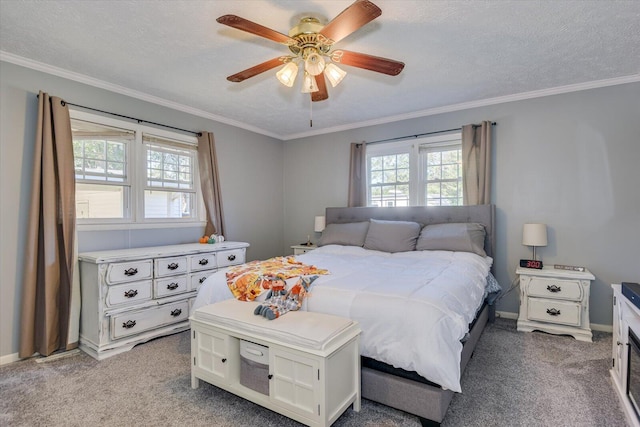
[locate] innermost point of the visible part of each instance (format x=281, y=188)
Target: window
x=128, y=173
x=426, y=171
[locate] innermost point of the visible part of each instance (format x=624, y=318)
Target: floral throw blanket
x=249, y=280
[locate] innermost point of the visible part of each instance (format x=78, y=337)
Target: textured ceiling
x=456, y=52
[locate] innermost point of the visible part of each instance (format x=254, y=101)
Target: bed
x=421, y=308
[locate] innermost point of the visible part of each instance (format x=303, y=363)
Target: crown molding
x=81, y=78
x=474, y=104
x=101, y=84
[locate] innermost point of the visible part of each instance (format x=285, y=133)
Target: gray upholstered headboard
x=483, y=214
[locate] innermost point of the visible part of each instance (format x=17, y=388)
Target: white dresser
x=555, y=301
x=130, y=296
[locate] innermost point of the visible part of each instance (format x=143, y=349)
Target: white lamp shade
x=287, y=74
x=314, y=64
x=309, y=84
x=319, y=224
x=534, y=235
x=334, y=74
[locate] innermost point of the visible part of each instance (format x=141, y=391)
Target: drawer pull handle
x=173, y=266
x=554, y=288
x=131, y=272
x=553, y=312
x=203, y=261
x=172, y=286
x=231, y=257
x=270, y=376
x=131, y=293
x=202, y=279
x=129, y=324
x=224, y=359
x=177, y=312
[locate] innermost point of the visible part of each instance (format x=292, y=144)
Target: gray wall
x=253, y=207
x=571, y=161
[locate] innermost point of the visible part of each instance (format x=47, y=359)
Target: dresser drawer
x=128, y=293
x=231, y=257
x=170, y=286
x=555, y=288
x=196, y=279
x=202, y=261
x=126, y=324
x=561, y=312
x=129, y=271
x=170, y=266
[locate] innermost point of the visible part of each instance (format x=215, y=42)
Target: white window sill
x=139, y=226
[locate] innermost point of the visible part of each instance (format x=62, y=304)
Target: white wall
x=252, y=194
x=571, y=161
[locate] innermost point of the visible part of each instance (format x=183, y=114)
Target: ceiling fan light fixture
x=287, y=74
x=314, y=64
x=309, y=84
x=334, y=74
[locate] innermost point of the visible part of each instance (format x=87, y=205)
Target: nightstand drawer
x=555, y=288
x=565, y=313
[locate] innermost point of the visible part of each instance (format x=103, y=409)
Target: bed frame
x=426, y=400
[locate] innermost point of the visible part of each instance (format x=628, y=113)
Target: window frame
x=412, y=147
x=136, y=172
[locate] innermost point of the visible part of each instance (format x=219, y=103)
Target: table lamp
x=533, y=235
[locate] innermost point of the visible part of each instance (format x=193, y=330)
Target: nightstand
x=302, y=249
x=555, y=301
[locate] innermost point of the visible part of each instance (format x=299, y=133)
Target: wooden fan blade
x=253, y=28
x=355, y=16
x=254, y=71
x=368, y=62
x=321, y=94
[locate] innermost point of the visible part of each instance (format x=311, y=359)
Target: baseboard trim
x=594, y=326
x=9, y=358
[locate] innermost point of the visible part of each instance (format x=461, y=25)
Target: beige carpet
x=514, y=379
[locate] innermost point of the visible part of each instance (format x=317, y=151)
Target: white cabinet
x=625, y=316
x=555, y=301
x=130, y=296
x=312, y=379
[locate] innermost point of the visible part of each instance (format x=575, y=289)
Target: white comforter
x=413, y=307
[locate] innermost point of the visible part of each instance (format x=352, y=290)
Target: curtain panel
x=476, y=164
x=357, y=195
x=210, y=184
x=47, y=292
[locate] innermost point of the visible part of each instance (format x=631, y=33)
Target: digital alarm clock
x=531, y=263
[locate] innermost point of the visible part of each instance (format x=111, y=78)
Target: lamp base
x=531, y=263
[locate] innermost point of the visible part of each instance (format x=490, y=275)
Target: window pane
x=403, y=175
x=403, y=160
x=99, y=201
x=376, y=163
x=450, y=156
x=168, y=204
x=390, y=176
x=169, y=166
x=433, y=158
x=389, y=162
x=434, y=172
x=376, y=177
x=450, y=172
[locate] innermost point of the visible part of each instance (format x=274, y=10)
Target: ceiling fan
x=312, y=45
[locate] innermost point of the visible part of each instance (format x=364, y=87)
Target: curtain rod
x=130, y=118
x=418, y=135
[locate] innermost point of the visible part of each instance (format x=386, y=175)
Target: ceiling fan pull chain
x=310, y=112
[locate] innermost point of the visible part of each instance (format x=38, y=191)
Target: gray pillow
x=348, y=234
x=392, y=236
x=461, y=237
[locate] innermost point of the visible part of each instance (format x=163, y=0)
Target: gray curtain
x=210, y=184
x=50, y=239
x=476, y=164
x=357, y=175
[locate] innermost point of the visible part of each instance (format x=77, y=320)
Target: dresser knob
x=129, y=324
x=172, y=286
x=553, y=312
x=131, y=272
x=131, y=293
x=202, y=279
x=203, y=261
x=554, y=288
x=177, y=312
x=231, y=257
x=224, y=359
x=270, y=376
x=173, y=266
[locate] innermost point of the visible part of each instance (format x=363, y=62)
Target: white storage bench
x=303, y=365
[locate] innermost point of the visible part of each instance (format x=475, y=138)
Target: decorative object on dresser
x=533, y=235
x=555, y=301
x=130, y=296
x=625, y=367
x=305, y=365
